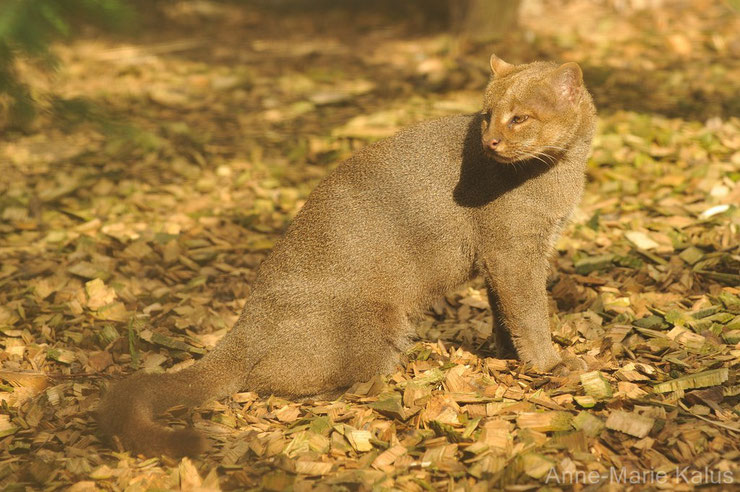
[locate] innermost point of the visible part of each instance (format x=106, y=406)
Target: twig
x=710, y=421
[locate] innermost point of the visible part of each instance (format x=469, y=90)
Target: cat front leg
x=517, y=278
x=500, y=336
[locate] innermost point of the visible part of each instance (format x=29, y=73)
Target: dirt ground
x=129, y=239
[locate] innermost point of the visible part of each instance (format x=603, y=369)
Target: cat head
x=533, y=111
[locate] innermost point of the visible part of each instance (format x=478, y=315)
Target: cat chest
x=537, y=207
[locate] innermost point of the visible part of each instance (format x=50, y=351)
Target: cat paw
x=544, y=361
x=185, y=442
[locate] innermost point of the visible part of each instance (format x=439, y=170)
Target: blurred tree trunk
x=484, y=20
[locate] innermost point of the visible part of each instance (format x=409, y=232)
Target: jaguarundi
x=401, y=222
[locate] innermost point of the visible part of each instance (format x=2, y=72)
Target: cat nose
x=493, y=143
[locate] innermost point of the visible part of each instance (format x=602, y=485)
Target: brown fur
x=399, y=223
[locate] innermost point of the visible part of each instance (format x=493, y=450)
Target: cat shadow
x=482, y=179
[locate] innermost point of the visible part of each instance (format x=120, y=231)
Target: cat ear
x=499, y=68
x=567, y=80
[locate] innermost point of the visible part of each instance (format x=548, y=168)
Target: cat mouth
x=498, y=157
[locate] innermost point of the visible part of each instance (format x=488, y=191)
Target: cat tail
x=127, y=411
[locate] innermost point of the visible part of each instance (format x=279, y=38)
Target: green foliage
x=27, y=29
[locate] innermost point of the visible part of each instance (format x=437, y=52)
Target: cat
x=401, y=222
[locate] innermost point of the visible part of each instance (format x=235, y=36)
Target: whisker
x=540, y=156
x=549, y=157
x=532, y=152
x=522, y=156
x=517, y=155
x=532, y=148
x=554, y=147
x=541, y=160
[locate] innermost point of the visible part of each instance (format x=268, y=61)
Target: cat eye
x=518, y=119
